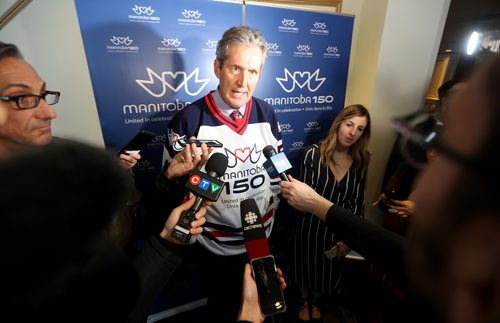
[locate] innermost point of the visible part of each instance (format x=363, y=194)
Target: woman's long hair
x=359, y=150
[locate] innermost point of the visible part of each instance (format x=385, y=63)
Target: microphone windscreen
x=254, y=232
x=217, y=163
x=269, y=151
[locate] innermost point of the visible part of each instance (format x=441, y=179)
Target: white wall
x=393, y=59
x=48, y=35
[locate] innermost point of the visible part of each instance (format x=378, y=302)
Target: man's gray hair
x=240, y=35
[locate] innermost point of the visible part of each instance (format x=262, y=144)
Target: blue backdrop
x=305, y=76
x=149, y=59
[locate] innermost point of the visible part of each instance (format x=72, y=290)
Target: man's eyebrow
x=21, y=85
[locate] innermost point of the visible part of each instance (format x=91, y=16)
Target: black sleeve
x=155, y=265
x=375, y=243
x=152, y=210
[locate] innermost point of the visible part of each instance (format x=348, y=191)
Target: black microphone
x=205, y=186
x=276, y=164
x=271, y=298
x=253, y=230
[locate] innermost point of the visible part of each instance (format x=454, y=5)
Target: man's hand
x=304, y=198
x=128, y=161
x=250, y=308
x=188, y=159
x=196, y=225
x=403, y=208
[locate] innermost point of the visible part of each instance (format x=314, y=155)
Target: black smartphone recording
x=271, y=298
x=139, y=141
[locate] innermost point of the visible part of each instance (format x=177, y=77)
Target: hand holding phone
x=139, y=141
x=271, y=298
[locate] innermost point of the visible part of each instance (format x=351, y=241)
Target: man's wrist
x=170, y=243
x=321, y=208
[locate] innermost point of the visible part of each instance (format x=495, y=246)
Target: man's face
x=26, y=126
x=239, y=74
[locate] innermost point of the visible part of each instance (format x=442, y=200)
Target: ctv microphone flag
x=205, y=187
x=254, y=232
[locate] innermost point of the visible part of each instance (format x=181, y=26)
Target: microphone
x=276, y=164
x=271, y=298
x=205, y=186
x=254, y=233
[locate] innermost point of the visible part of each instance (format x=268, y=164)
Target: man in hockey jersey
x=245, y=125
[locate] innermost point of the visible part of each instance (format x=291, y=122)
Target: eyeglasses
x=30, y=101
x=420, y=132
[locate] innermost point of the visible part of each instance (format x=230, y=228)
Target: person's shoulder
x=311, y=151
x=313, y=148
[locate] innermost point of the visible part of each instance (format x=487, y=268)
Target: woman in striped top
x=336, y=169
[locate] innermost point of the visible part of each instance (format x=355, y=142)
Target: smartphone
x=332, y=253
x=209, y=142
x=390, y=194
x=271, y=298
x=140, y=140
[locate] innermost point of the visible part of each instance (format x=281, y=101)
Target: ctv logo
x=300, y=79
x=174, y=81
x=204, y=184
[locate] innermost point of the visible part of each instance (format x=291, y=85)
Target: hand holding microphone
x=205, y=186
x=196, y=224
x=276, y=164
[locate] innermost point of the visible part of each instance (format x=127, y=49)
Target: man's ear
x=217, y=68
